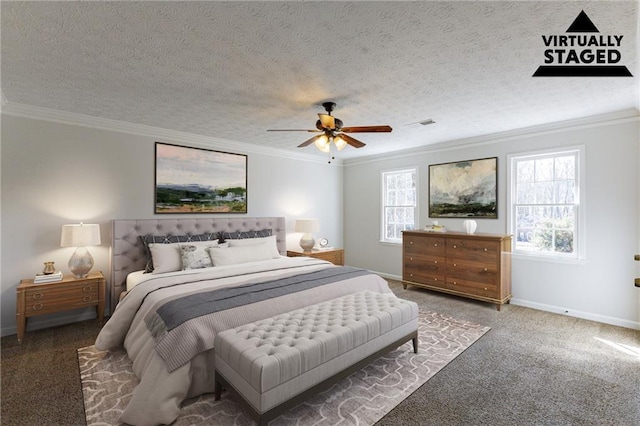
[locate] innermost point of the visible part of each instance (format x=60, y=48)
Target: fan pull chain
x=331, y=156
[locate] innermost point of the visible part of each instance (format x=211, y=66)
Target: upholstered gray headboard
x=128, y=252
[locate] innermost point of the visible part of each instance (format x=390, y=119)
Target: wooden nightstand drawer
x=61, y=292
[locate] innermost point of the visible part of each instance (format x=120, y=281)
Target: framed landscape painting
x=464, y=189
x=198, y=180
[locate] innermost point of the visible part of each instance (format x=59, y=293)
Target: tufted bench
x=276, y=363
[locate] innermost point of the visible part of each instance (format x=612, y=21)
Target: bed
x=168, y=319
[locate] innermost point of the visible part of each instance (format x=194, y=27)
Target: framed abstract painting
x=464, y=189
x=197, y=180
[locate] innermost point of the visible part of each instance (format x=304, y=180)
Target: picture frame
x=190, y=180
x=464, y=189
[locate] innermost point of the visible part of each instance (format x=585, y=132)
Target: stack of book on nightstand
x=48, y=278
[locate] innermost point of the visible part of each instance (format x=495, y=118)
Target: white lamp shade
x=307, y=225
x=80, y=235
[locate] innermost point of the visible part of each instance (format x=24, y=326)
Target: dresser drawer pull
x=87, y=298
x=455, y=282
x=455, y=246
x=37, y=306
x=485, y=249
x=87, y=288
x=411, y=258
x=37, y=296
x=435, y=279
x=454, y=265
x=410, y=242
x=435, y=244
x=435, y=261
x=410, y=275
x=485, y=289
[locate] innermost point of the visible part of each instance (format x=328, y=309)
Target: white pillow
x=166, y=257
x=169, y=256
x=234, y=255
x=270, y=242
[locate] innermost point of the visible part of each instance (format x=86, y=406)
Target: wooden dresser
x=477, y=266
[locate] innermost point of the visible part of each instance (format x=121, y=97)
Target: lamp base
x=81, y=262
x=307, y=242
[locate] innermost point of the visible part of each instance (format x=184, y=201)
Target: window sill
x=550, y=259
x=390, y=243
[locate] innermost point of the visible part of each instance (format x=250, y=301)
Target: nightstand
x=47, y=298
x=335, y=256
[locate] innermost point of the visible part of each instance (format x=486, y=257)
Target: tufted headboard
x=128, y=252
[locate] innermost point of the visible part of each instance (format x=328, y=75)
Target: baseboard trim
x=620, y=322
x=36, y=323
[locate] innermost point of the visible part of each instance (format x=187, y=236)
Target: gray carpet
x=532, y=368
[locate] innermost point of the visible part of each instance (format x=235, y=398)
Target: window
x=399, y=194
x=545, y=216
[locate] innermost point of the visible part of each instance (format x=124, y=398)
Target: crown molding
x=156, y=133
x=618, y=117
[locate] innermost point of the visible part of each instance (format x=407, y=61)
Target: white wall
x=600, y=288
x=52, y=174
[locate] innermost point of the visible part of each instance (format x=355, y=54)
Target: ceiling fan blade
x=352, y=141
x=328, y=121
x=309, y=141
x=293, y=130
x=366, y=129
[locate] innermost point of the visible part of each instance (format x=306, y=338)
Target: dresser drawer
x=470, y=272
x=474, y=251
x=466, y=287
x=433, y=246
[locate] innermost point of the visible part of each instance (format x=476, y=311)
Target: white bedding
x=157, y=399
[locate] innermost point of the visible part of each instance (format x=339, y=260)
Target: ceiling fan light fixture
x=340, y=143
x=322, y=143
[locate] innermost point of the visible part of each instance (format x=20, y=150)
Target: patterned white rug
x=360, y=399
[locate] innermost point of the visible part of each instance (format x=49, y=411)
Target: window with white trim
x=399, y=203
x=545, y=213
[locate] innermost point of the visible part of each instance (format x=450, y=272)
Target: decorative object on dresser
x=307, y=227
x=335, y=256
x=475, y=266
x=80, y=236
x=469, y=226
x=69, y=293
x=464, y=189
x=49, y=268
x=197, y=180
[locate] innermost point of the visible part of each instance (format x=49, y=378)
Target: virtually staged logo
x=584, y=54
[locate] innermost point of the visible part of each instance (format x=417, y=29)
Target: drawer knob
x=435, y=279
x=485, y=269
x=37, y=306
x=455, y=282
x=411, y=258
x=410, y=275
x=455, y=246
x=455, y=264
x=37, y=296
x=435, y=261
x=435, y=244
x=410, y=242
x=485, y=289
x=87, y=288
x=86, y=299
x=485, y=249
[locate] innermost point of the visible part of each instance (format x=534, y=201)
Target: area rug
x=360, y=399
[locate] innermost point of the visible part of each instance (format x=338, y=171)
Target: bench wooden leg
x=415, y=345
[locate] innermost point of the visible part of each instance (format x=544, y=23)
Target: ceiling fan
x=331, y=130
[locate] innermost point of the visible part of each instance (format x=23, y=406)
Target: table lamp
x=307, y=226
x=80, y=236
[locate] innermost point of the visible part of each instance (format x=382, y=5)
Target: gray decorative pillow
x=242, y=235
x=195, y=256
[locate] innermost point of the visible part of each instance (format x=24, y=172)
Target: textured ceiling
x=235, y=69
